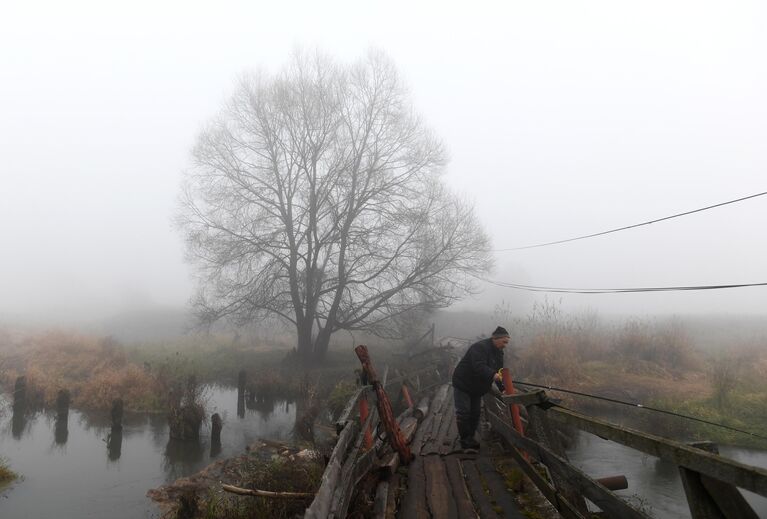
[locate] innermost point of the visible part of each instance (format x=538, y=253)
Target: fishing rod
x=640, y=406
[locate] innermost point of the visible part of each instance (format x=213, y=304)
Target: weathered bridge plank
x=438, y=491
x=463, y=503
x=479, y=497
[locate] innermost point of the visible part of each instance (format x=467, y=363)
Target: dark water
x=88, y=474
x=654, y=484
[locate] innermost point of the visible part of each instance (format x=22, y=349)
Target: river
x=654, y=484
x=79, y=475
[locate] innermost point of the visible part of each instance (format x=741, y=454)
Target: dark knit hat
x=500, y=332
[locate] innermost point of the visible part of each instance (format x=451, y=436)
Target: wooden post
x=62, y=405
x=385, y=413
x=241, y=381
x=117, y=414
x=61, y=431
x=114, y=443
x=509, y=390
x=406, y=395
x=433, y=329
x=20, y=394
x=710, y=498
x=215, y=429
x=364, y=413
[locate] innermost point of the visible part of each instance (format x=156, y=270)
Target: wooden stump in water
x=115, y=443
x=62, y=405
x=216, y=425
x=215, y=434
x=117, y=414
x=241, y=382
x=61, y=433
x=20, y=394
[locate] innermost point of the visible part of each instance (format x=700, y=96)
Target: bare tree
x=316, y=196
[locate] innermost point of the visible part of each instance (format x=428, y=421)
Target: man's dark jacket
x=474, y=373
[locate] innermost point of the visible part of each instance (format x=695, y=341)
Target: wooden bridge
x=435, y=479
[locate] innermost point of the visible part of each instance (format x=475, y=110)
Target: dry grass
x=95, y=371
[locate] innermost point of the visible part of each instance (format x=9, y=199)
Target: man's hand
x=498, y=379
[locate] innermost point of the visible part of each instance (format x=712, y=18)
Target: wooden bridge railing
x=709, y=480
x=360, y=447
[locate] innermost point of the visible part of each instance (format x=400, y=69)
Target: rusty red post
x=509, y=390
x=406, y=395
x=508, y=385
x=364, y=412
x=393, y=432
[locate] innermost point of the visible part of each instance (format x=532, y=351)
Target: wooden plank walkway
x=443, y=481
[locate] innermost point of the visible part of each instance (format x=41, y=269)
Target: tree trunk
x=321, y=344
x=305, y=345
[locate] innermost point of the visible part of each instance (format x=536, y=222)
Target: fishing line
x=640, y=406
x=632, y=226
x=531, y=288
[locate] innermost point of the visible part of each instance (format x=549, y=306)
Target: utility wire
x=641, y=406
x=632, y=226
x=532, y=288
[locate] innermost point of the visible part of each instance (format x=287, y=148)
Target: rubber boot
x=466, y=436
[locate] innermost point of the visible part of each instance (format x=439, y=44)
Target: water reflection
x=264, y=406
x=182, y=457
x=115, y=485
x=115, y=443
x=61, y=432
x=18, y=423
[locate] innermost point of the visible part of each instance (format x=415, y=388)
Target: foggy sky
x=561, y=119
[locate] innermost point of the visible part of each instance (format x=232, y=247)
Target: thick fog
x=561, y=119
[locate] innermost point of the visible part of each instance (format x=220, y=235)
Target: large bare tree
x=316, y=196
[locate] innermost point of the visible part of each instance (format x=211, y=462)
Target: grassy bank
x=97, y=370
x=655, y=363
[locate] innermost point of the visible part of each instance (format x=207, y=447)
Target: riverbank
x=266, y=465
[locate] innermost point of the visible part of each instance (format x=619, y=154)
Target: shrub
x=6, y=474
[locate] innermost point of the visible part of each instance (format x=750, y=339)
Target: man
x=473, y=377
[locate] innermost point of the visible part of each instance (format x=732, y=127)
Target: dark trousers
x=467, y=412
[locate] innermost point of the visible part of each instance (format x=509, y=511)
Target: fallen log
x=266, y=493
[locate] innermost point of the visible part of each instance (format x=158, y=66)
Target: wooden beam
x=550, y=493
x=730, y=471
x=320, y=507
x=587, y=487
x=710, y=498
x=350, y=408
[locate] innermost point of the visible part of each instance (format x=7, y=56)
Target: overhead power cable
x=632, y=226
x=560, y=290
x=641, y=406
